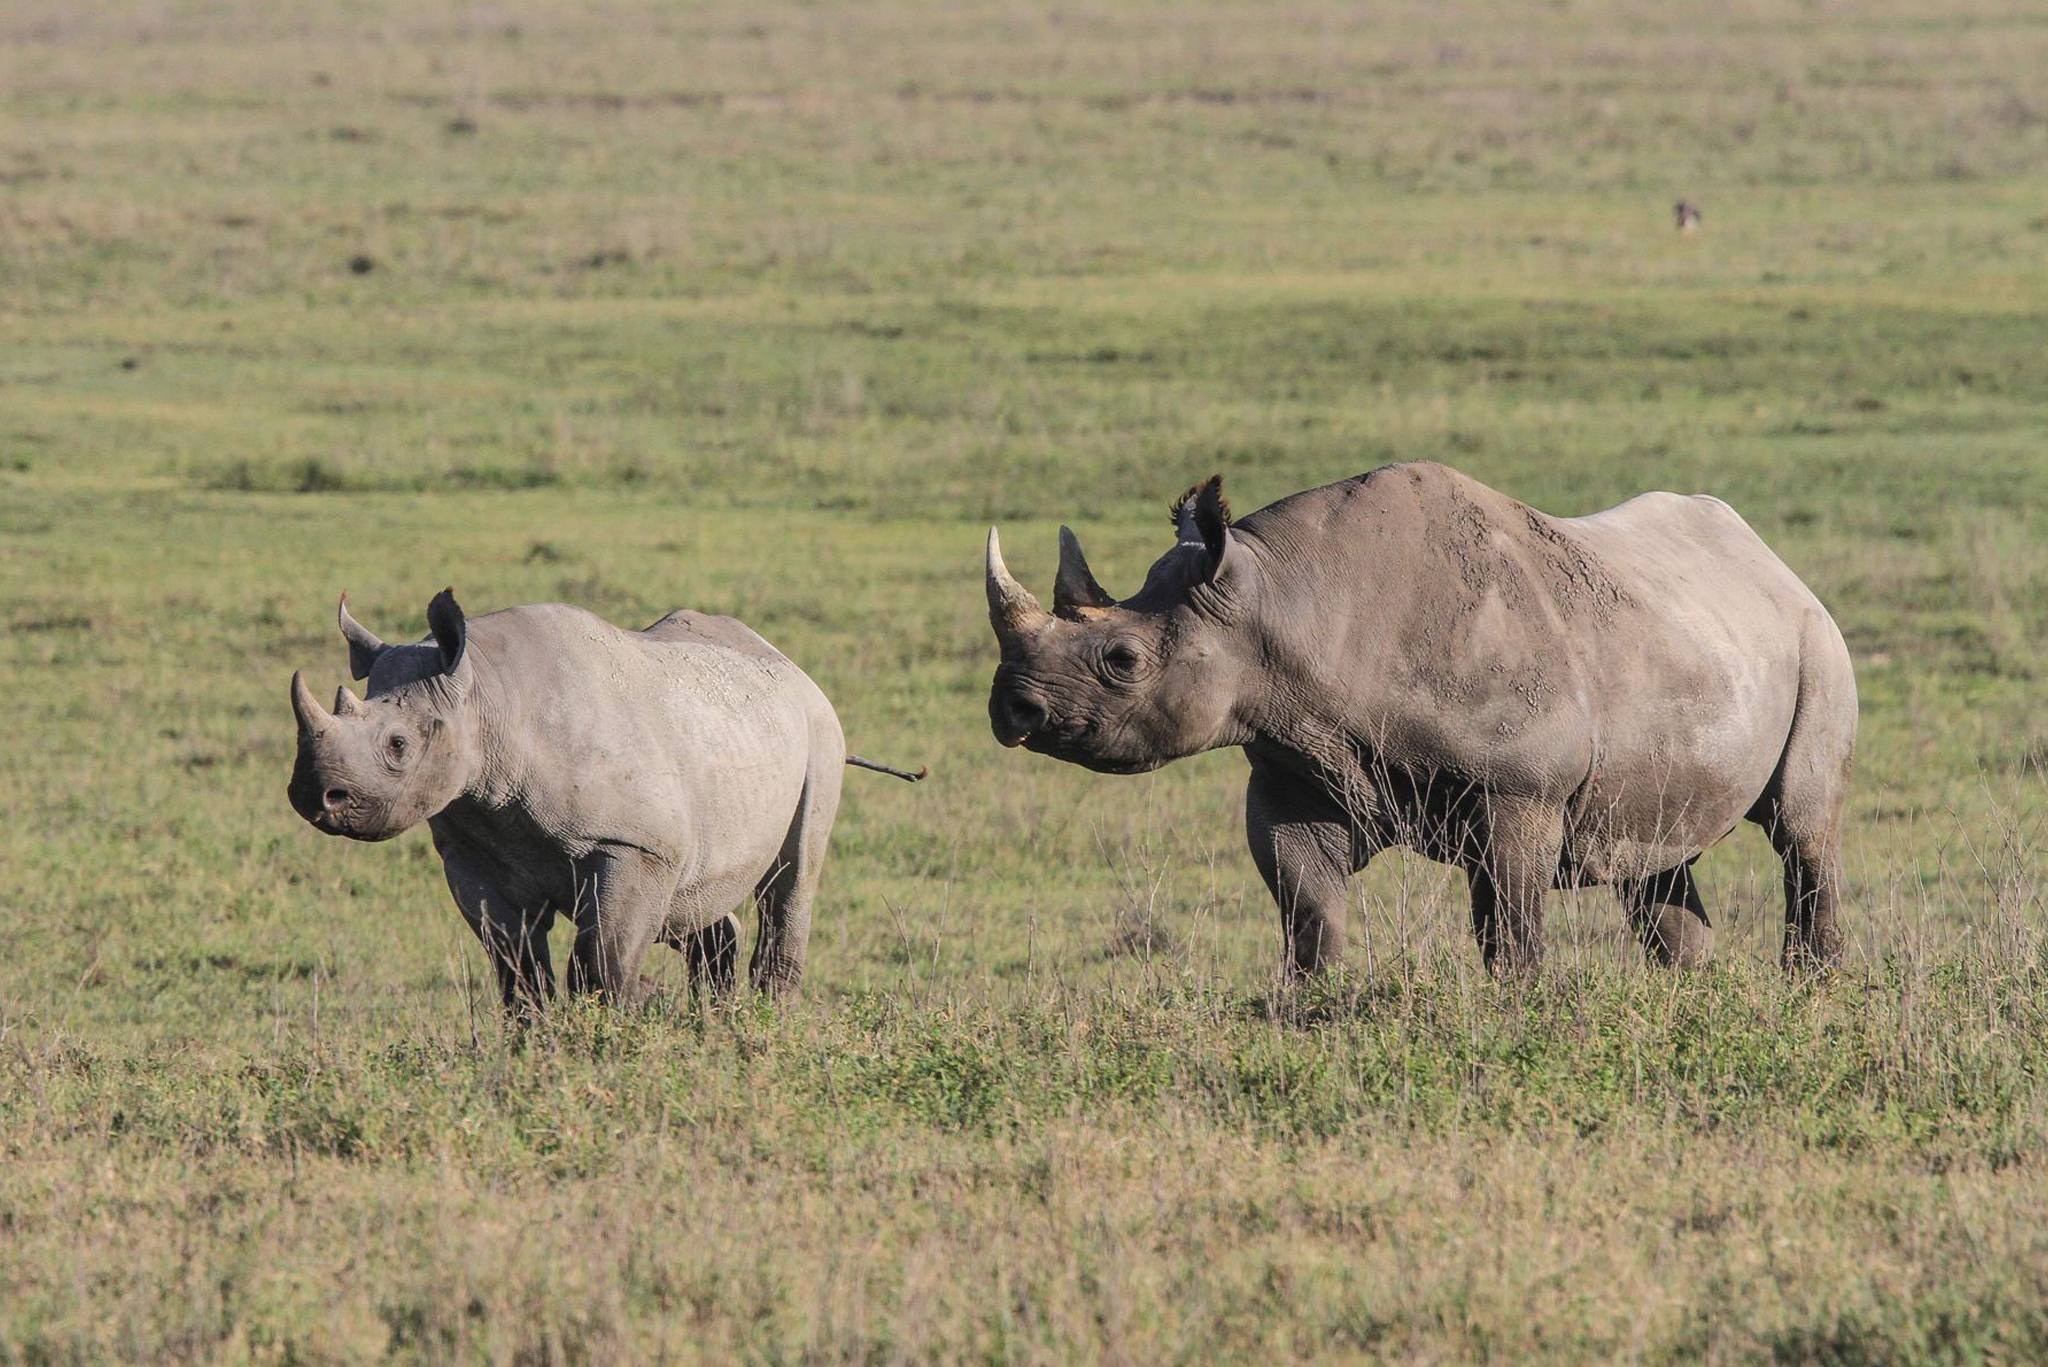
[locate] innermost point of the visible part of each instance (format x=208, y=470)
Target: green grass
x=772, y=311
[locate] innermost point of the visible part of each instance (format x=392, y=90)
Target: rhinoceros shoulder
x=706, y=628
x=1411, y=493
x=574, y=637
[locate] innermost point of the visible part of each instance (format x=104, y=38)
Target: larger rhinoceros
x=1409, y=658
x=642, y=783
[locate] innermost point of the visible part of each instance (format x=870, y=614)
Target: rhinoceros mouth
x=1067, y=750
x=328, y=823
x=350, y=822
x=1116, y=766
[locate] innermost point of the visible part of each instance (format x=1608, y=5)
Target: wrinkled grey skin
x=1411, y=659
x=642, y=783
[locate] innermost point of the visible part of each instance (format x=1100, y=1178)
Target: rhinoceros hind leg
x=788, y=890
x=1665, y=912
x=1813, y=888
x=713, y=955
x=1802, y=808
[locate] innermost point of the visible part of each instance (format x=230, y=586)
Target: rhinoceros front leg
x=1303, y=845
x=622, y=901
x=1515, y=865
x=514, y=937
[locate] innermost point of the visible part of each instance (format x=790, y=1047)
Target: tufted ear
x=363, y=645
x=450, y=628
x=1201, y=519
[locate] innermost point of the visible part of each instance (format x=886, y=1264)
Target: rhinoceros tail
x=857, y=762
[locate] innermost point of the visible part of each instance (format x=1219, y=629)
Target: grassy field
x=771, y=311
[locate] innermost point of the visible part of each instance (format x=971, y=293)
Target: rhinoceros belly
x=1653, y=807
x=1695, y=693
x=741, y=754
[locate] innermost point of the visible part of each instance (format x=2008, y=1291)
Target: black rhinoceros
x=1409, y=658
x=643, y=783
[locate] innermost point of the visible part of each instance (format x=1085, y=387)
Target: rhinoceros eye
x=396, y=746
x=1121, y=660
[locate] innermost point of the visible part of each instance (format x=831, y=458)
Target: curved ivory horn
x=1076, y=587
x=364, y=645
x=346, y=704
x=306, y=707
x=1012, y=611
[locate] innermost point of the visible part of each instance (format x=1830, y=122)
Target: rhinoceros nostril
x=1027, y=715
x=334, y=799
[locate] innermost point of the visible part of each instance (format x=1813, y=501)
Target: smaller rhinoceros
x=643, y=783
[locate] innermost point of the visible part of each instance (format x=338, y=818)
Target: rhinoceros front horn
x=1012, y=611
x=313, y=719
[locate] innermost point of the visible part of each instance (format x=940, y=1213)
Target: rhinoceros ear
x=1201, y=518
x=363, y=645
x=450, y=628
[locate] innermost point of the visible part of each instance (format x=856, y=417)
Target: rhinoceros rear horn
x=1076, y=587
x=1012, y=611
x=363, y=645
x=450, y=628
x=346, y=704
x=312, y=719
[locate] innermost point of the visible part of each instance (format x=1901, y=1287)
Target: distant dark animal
x=1411, y=659
x=1685, y=217
x=642, y=783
